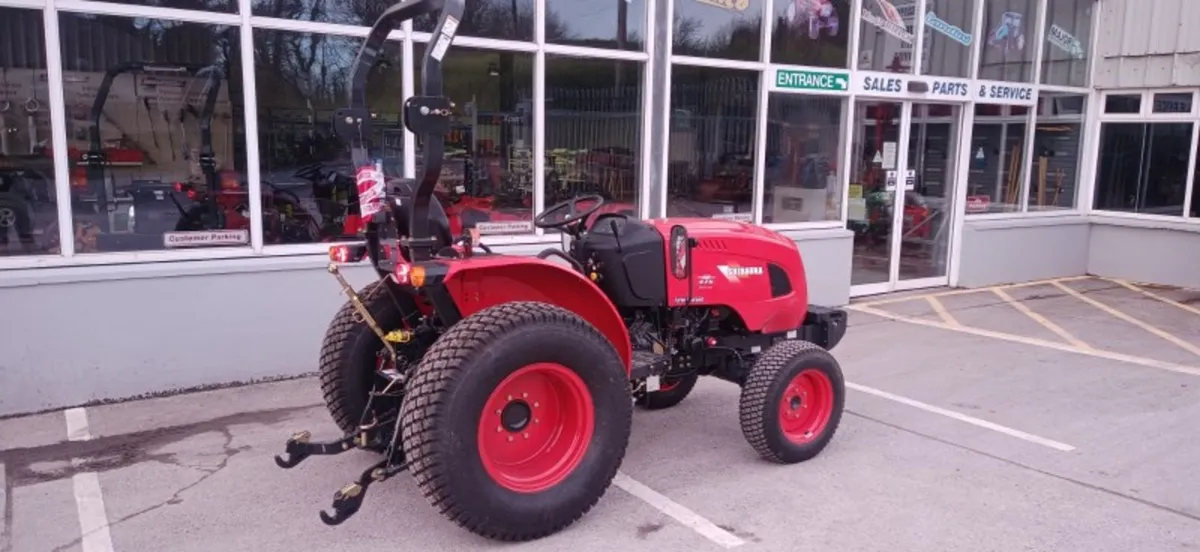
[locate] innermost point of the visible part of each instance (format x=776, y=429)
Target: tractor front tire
x=517, y=420
x=349, y=356
x=671, y=391
x=792, y=401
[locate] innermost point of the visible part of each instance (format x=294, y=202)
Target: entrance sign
x=830, y=81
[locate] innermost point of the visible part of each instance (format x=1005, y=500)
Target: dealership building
x=170, y=181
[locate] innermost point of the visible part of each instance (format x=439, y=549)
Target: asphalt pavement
x=1053, y=416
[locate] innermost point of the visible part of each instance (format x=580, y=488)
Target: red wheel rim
x=806, y=406
x=535, y=427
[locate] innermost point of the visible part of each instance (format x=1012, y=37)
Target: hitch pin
x=362, y=311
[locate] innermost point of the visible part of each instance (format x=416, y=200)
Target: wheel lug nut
x=524, y=395
x=510, y=439
x=526, y=435
x=510, y=397
x=536, y=404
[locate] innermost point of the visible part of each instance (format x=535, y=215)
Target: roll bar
x=95, y=158
x=426, y=115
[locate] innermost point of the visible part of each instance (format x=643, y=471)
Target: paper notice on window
x=889, y=155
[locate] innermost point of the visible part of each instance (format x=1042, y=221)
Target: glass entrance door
x=904, y=154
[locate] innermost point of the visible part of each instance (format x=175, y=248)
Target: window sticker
x=814, y=16
x=940, y=25
x=731, y=5
x=1009, y=35
x=1060, y=38
x=891, y=22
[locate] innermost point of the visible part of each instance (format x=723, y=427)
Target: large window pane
x=1006, y=54
x=1057, y=148
x=887, y=36
x=729, y=29
x=28, y=215
x=594, y=131
x=619, y=24
x=811, y=32
x=946, y=49
x=710, y=158
x=309, y=192
x=804, y=142
x=506, y=19
x=1196, y=185
x=997, y=146
x=227, y=6
x=1067, y=52
x=487, y=177
x=1143, y=167
x=145, y=172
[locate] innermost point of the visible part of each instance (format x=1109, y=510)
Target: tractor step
x=646, y=364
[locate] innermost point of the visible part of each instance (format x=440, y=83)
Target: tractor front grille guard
x=426, y=115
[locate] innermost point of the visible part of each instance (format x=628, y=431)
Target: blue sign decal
x=882, y=84
x=1006, y=92
x=946, y=88
x=938, y=24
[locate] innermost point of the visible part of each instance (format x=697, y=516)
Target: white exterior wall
x=1148, y=44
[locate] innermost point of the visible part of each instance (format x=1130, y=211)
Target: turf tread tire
x=761, y=392
x=340, y=348
x=451, y=367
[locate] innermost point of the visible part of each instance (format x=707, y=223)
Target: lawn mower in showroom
x=506, y=384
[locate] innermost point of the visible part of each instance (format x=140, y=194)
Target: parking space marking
x=1098, y=353
x=678, y=512
x=1136, y=322
x=89, y=500
x=1040, y=319
x=940, y=309
x=1153, y=295
x=963, y=418
x=964, y=291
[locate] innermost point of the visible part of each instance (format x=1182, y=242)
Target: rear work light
x=347, y=253
x=409, y=275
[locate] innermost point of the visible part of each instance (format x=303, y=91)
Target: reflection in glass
x=994, y=181
x=710, y=158
x=802, y=182
x=154, y=134
x=225, y=6
x=594, y=131
x=946, y=46
x=28, y=212
x=887, y=36
x=1143, y=167
x=811, y=32
x=728, y=29
x=874, y=154
x=1065, y=58
x=619, y=24
x=359, y=12
x=1057, y=147
x=1006, y=53
x=502, y=19
x=928, y=196
x=487, y=177
x=309, y=193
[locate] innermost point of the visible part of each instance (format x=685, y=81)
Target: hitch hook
x=348, y=499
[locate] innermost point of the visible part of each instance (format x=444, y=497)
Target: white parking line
x=89, y=501
x=963, y=418
x=680, y=513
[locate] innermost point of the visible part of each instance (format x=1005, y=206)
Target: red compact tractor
x=506, y=384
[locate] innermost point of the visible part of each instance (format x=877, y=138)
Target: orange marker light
x=417, y=276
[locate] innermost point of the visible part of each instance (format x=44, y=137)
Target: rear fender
x=478, y=283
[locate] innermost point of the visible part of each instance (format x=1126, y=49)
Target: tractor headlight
x=679, y=252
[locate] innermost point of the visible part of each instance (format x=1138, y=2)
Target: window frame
x=1146, y=115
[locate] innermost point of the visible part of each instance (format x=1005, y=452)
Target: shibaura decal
x=735, y=273
x=940, y=25
x=889, y=22
x=731, y=5
x=811, y=17
x=1061, y=39
x=1009, y=35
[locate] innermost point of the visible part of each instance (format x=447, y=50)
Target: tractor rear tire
x=348, y=356
x=670, y=392
x=517, y=420
x=792, y=401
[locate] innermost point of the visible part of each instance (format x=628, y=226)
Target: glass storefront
x=205, y=131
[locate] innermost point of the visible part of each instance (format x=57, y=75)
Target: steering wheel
x=542, y=222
